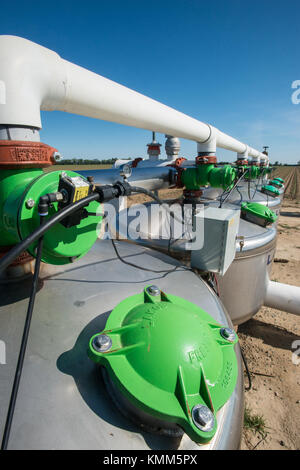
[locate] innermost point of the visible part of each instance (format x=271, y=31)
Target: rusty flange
x=24, y=154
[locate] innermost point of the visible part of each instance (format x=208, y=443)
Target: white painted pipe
x=283, y=297
x=34, y=78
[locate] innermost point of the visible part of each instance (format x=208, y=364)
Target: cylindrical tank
x=62, y=402
x=243, y=287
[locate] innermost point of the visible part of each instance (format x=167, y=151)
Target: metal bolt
x=56, y=156
x=30, y=203
x=102, y=343
x=228, y=334
x=153, y=290
x=203, y=418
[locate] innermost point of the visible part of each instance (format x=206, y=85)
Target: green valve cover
x=61, y=245
x=169, y=358
x=276, y=183
x=251, y=210
x=270, y=190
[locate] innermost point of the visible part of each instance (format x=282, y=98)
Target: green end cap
x=270, y=190
x=169, y=357
x=258, y=210
x=223, y=177
x=61, y=245
x=276, y=183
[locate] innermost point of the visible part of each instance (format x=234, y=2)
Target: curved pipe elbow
x=32, y=78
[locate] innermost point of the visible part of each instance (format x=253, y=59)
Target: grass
x=254, y=423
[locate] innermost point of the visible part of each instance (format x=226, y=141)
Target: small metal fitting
x=102, y=343
x=228, y=334
x=153, y=290
x=203, y=418
x=56, y=156
x=125, y=171
x=30, y=203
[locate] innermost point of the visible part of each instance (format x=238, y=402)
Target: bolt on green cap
x=170, y=359
x=270, y=190
x=276, y=183
x=258, y=213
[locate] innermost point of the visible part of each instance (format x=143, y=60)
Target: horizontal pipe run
x=283, y=297
x=34, y=78
x=150, y=178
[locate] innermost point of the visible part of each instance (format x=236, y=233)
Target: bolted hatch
x=170, y=359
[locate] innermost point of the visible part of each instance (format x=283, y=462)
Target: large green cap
x=276, y=183
x=270, y=190
x=255, y=209
x=223, y=177
x=61, y=245
x=170, y=358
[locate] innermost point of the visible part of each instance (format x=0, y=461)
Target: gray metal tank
x=62, y=401
x=243, y=287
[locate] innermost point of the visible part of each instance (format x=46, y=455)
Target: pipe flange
x=192, y=194
x=206, y=160
x=24, y=154
x=23, y=258
x=241, y=162
x=136, y=161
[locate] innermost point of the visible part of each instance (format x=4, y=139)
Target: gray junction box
x=219, y=239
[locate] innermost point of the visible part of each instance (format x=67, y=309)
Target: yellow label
x=80, y=193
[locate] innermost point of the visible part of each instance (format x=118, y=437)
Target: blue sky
x=229, y=63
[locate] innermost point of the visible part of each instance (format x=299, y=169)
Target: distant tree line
x=86, y=161
x=284, y=164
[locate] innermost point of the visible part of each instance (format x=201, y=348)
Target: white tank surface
x=62, y=401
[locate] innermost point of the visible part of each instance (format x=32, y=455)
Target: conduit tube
x=283, y=297
x=33, y=78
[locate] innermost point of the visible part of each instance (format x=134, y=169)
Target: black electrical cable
x=247, y=371
x=227, y=194
x=39, y=232
x=137, y=189
x=163, y=271
x=19, y=368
